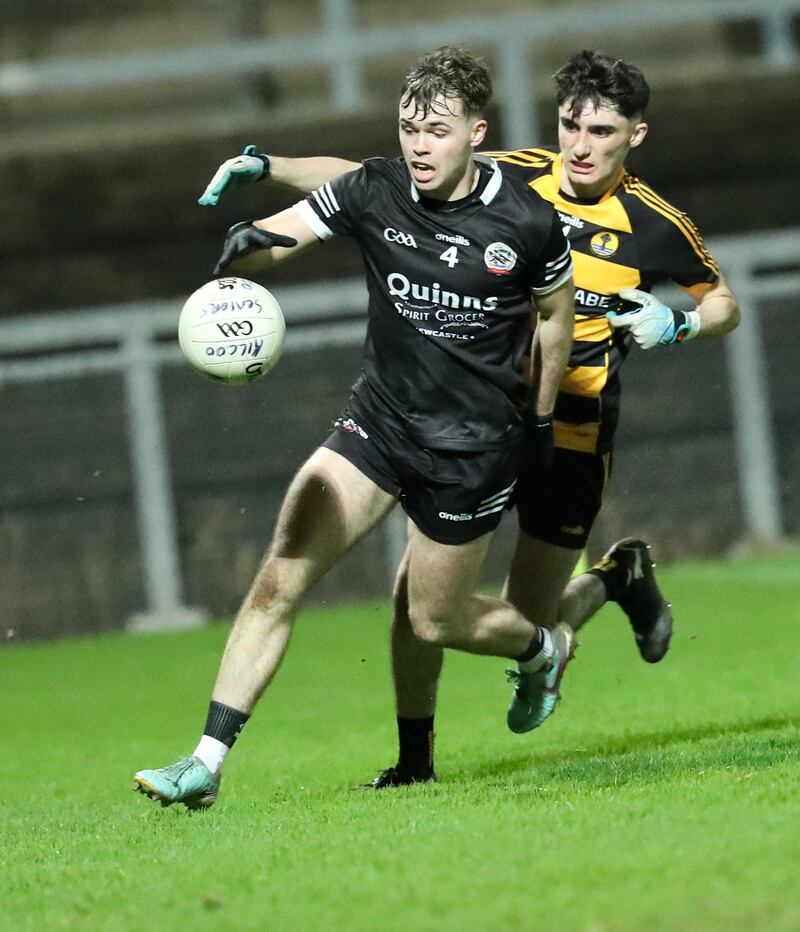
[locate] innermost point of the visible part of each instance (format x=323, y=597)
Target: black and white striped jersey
x=450, y=289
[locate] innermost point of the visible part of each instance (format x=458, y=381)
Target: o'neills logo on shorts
x=448, y=517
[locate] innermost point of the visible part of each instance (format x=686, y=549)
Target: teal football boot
x=187, y=781
x=535, y=694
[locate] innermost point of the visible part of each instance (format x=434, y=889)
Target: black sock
x=416, y=744
x=224, y=723
x=536, y=644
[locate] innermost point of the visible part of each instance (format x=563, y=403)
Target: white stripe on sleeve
x=331, y=195
x=552, y=285
x=560, y=260
x=322, y=199
x=312, y=221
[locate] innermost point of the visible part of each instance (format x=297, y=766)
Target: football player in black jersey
x=623, y=236
x=455, y=251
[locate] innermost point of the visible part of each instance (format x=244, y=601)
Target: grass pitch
x=658, y=797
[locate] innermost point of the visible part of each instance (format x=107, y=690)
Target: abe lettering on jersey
x=450, y=288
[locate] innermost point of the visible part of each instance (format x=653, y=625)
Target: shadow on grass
x=654, y=756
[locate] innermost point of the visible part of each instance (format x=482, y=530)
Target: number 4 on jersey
x=450, y=256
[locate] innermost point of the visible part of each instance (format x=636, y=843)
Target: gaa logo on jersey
x=500, y=259
x=604, y=244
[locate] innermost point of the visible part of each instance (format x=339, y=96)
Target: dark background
x=98, y=196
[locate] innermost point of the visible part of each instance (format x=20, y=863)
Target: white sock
x=211, y=752
x=539, y=660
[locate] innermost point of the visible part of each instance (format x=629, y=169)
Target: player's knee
x=276, y=587
x=430, y=625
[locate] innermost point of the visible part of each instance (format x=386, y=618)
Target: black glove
x=244, y=238
x=539, y=452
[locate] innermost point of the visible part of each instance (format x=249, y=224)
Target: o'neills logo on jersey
x=456, y=240
x=569, y=223
x=402, y=287
x=500, y=258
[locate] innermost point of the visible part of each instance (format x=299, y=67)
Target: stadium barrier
x=137, y=341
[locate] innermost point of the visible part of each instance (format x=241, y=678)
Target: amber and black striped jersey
x=628, y=238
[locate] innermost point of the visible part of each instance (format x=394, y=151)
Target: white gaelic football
x=231, y=330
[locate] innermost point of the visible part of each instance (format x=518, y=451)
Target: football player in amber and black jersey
x=455, y=252
x=625, y=238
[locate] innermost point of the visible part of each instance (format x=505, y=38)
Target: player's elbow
x=725, y=318
x=733, y=316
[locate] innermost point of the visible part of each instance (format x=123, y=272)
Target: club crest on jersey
x=500, y=259
x=604, y=244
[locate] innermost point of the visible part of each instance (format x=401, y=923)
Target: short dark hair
x=452, y=73
x=592, y=78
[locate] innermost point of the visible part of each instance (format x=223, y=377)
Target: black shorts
x=561, y=509
x=453, y=497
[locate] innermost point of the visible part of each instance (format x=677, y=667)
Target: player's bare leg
x=417, y=661
x=440, y=579
x=584, y=596
x=443, y=609
x=416, y=666
x=537, y=578
x=441, y=612
x=329, y=507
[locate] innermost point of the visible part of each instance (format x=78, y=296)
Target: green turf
x=658, y=797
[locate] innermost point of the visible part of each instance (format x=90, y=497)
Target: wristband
x=267, y=165
x=689, y=327
x=251, y=151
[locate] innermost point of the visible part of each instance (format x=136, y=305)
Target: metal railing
x=344, y=49
x=66, y=345
x=125, y=339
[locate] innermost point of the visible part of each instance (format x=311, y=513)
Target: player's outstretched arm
x=252, y=247
x=652, y=323
x=308, y=174
x=304, y=175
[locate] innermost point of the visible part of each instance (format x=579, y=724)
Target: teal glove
x=245, y=168
x=650, y=322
